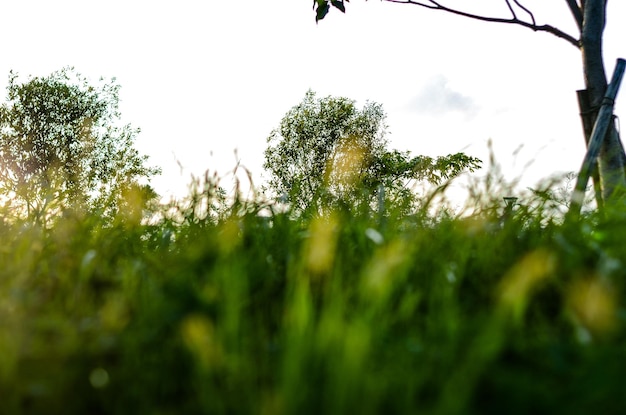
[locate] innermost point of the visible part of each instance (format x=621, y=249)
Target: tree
x=590, y=17
x=61, y=148
x=328, y=153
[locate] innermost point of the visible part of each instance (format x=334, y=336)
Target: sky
x=207, y=81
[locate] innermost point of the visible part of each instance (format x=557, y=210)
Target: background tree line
x=62, y=149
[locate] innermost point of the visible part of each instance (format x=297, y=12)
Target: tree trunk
x=612, y=160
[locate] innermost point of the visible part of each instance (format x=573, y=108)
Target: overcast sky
x=203, y=78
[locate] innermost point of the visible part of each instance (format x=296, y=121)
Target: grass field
x=345, y=313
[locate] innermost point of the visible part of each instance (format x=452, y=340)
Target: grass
x=239, y=313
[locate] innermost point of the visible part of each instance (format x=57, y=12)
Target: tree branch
x=508, y=4
x=435, y=5
x=576, y=12
x=532, y=16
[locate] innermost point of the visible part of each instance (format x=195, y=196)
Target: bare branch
x=435, y=5
x=576, y=12
x=532, y=16
x=508, y=3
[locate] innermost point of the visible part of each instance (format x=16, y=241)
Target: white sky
x=203, y=78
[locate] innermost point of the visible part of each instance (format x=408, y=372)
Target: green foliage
x=221, y=304
x=226, y=311
x=327, y=153
x=322, y=7
x=61, y=147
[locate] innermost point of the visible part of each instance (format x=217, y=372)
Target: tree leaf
x=339, y=4
x=322, y=10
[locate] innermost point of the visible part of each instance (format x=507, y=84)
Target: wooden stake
x=605, y=117
x=588, y=116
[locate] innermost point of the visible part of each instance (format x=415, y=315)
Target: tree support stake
x=605, y=118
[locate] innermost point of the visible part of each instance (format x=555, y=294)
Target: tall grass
x=225, y=306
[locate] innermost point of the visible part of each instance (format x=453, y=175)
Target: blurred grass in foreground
x=216, y=309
